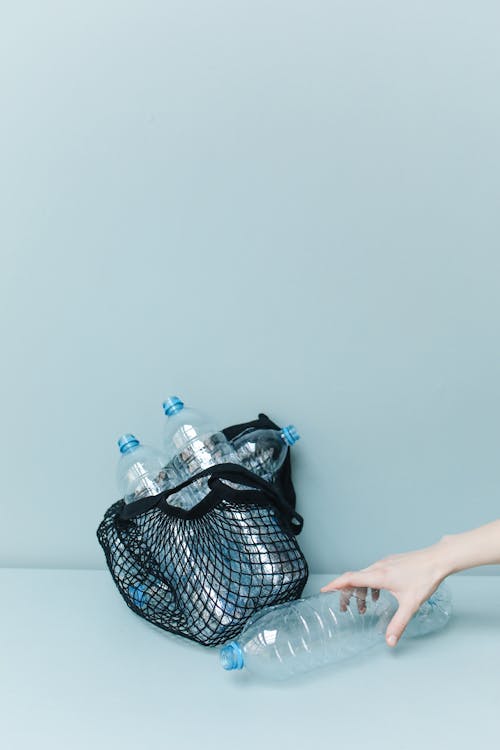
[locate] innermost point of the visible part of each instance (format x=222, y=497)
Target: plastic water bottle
x=140, y=471
x=192, y=443
x=153, y=595
x=264, y=451
x=288, y=639
x=143, y=590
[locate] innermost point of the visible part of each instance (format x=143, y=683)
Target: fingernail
x=392, y=640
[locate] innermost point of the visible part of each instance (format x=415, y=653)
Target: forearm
x=481, y=546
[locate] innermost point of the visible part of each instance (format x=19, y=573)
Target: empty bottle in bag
x=130, y=576
x=288, y=639
x=192, y=443
x=151, y=595
x=140, y=471
x=264, y=451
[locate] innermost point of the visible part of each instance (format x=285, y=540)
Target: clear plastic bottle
x=288, y=639
x=144, y=591
x=151, y=595
x=264, y=451
x=192, y=443
x=140, y=471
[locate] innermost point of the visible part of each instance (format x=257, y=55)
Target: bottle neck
x=231, y=656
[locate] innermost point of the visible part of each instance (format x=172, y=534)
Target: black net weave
x=202, y=573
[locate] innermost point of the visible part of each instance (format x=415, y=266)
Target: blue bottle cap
x=127, y=442
x=290, y=434
x=138, y=595
x=231, y=656
x=172, y=405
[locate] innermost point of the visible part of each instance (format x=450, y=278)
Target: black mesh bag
x=202, y=573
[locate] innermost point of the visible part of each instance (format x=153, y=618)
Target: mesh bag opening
x=202, y=573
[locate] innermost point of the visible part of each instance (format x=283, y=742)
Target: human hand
x=412, y=577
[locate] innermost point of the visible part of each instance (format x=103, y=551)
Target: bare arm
x=479, y=546
x=413, y=576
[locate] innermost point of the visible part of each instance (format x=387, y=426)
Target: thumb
x=398, y=624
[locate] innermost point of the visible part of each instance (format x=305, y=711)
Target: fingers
x=362, y=578
x=398, y=624
x=360, y=595
x=345, y=598
x=340, y=582
x=357, y=584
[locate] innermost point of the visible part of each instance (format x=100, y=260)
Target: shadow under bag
x=202, y=573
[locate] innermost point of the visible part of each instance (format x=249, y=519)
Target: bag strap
x=293, y=521
x=261, y=423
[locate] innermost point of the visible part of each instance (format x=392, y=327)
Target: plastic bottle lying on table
x=288, y=639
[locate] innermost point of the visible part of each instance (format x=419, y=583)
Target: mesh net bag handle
x=290, y=520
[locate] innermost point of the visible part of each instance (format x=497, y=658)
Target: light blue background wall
x=281, y=206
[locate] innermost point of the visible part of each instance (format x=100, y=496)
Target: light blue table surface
x=80, y=670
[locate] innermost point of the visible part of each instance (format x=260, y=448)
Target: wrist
x=445, y=556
